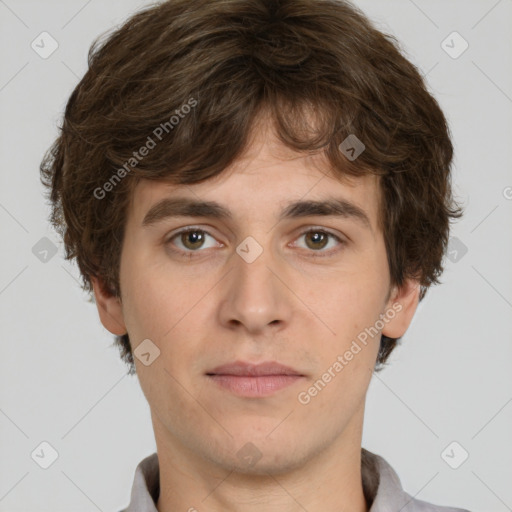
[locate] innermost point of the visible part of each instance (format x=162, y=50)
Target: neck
x=328, y=480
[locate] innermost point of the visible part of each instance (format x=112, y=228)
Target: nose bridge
x=255, y=297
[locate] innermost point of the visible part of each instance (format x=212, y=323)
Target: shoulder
x=389, y=494
x=415, y=505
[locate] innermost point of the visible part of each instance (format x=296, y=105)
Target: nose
x=256, y=296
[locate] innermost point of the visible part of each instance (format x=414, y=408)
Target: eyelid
x=315, y=229
x=323, y=229
x=303, y=231
x=185, y=229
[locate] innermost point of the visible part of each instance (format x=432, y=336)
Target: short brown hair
x=236, y=59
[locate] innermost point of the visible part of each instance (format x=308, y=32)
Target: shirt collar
x=381, y=485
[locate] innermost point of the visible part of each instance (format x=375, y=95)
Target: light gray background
x=62, y=381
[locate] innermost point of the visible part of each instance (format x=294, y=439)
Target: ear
x=403, y=301
x=109, y=308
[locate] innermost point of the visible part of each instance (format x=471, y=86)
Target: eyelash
x=190, y=253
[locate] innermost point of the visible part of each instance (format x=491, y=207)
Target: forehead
x=266, y=178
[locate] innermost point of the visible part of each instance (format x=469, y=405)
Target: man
x=258, y=194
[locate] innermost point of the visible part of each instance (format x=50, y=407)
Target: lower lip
x=258, y=386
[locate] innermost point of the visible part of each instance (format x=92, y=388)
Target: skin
x=285, y=306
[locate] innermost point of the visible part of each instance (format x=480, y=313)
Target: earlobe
x=109, y=308
x=400, y=308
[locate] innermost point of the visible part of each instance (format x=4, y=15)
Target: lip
x=256, y=386
x=243, y=369
x=254, y=380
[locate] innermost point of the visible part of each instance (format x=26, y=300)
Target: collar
x=381, y=485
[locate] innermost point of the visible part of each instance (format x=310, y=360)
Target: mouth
x=243, y=369
x=254, y=380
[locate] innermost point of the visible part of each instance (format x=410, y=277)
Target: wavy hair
x=237, y=59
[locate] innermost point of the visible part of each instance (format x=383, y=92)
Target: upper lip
x=242, y=368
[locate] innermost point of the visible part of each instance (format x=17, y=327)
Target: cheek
x=348, y=357
x=353, y=300
x=350, y=308
x=168, y=310
x=152, y=301
x=155, y=311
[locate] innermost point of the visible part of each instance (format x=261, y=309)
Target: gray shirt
x=381, y=486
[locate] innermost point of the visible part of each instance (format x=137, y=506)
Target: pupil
x=317, y=237
x=194, y=237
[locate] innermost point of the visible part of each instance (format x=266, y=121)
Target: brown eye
x=316, y=239
x=189, y=240
x=192, y=239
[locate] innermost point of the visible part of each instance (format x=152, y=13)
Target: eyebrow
x=187, y=207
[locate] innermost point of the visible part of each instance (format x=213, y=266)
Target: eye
x=191, y=239
x=318, y=239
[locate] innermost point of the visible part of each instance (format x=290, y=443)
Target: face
x=265, y=283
